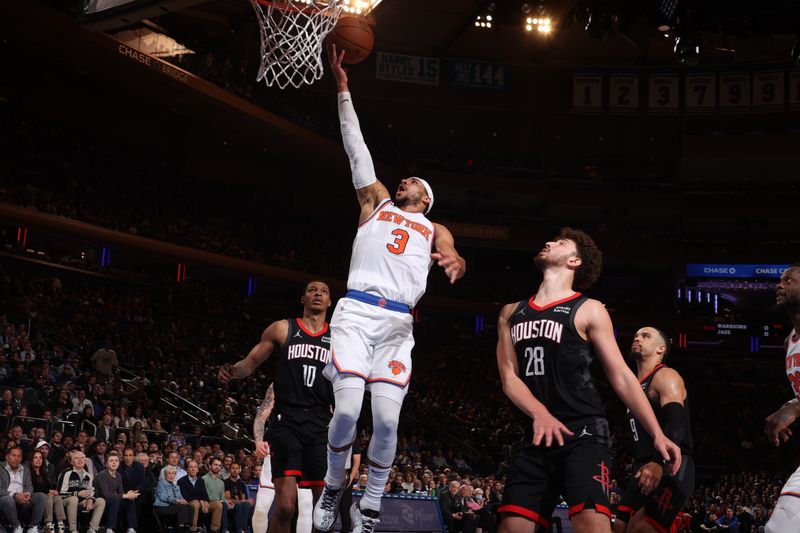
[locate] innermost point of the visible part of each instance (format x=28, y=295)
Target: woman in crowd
x=42, y=483
x=169, y=502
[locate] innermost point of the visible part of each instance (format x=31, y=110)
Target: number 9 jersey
x=392, y=255
x=554, y=360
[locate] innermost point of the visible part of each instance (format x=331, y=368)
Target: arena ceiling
x=625, y=32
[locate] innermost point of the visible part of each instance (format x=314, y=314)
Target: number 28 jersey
x=554, y=359
x=299, y=382
x=392, y=255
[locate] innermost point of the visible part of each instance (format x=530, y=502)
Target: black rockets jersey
x=642, y=441
x=554, y=360
x=298, y=377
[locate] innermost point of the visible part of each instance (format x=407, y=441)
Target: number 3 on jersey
x=535, y=358
x=399, y=245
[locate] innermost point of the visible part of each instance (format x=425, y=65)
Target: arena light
x=357, y=7
x=485, y=17
x=541, y=24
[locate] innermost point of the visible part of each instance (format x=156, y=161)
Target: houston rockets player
x=543, y=354
x=371, y=328
x=653, y=500
x=303, y=397
x=786, y=515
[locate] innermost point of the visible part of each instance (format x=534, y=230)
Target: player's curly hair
x=590, y=255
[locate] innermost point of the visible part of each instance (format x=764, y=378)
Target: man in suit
x=16, y=493
x=452, y=505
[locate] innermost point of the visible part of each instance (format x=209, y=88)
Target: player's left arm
x=262, y=415
x=671, y=391
x=593, y=318
x=446, y=255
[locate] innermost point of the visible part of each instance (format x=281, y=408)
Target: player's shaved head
x=315, y=282
x=647, y=342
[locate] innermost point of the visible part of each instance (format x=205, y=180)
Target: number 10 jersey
x=299, y=382
x=554, y=360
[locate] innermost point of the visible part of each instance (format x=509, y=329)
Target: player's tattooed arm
x=262, y=414
x=272, y=337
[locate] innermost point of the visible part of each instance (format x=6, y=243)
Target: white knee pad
x=385, y=418
x=349, y=394
x=305, y=509
x=264, y=499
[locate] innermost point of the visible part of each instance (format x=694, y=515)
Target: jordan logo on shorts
x=584, y=433
x=604, y=478
x=663, y=500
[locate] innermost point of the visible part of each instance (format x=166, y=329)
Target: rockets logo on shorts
x=397, y=367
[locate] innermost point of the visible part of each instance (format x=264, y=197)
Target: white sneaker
x=18, y=529
x=326, y=509
x=131, y=530
x=364, y=520
x=33, y=529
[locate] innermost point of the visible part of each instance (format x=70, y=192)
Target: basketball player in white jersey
x=266, y=490
x=371, y=328
x=786, y=516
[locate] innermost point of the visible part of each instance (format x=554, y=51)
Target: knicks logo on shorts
x=397, y=367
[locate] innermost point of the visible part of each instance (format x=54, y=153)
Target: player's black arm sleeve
x=675, y=425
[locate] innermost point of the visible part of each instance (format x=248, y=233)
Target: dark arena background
x=159, y=208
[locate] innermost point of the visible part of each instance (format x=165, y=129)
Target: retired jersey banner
x=768, y=91
x=406, y=68
x=587, y=93
x=700, y=94
x=623, y=94
x=478, y=75
x=734, y=92
x=664, y=94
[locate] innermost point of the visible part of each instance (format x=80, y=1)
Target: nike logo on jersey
x=584, y=433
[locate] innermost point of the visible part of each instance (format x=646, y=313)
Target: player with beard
x=544, y=351
x=786, y=515
x=301, y=413
x=652, y=500
x=372, y=328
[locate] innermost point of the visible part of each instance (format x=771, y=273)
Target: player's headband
x=428, y=191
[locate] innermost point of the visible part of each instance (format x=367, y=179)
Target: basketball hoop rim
x=292, y=8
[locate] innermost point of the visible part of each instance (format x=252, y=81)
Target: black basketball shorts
x=663, y=504
x=298, y=447
x=579, y=471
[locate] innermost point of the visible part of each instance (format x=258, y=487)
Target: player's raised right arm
x=545, y=426
x=272, y=337
x=369, y=191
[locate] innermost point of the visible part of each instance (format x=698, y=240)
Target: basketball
x=354, y=36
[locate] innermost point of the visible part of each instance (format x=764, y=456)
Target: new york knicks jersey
x=554, y=360
x=392, y=255
x=298, y=377
x=793, y=362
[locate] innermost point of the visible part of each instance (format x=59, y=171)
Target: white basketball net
x=291, y=39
